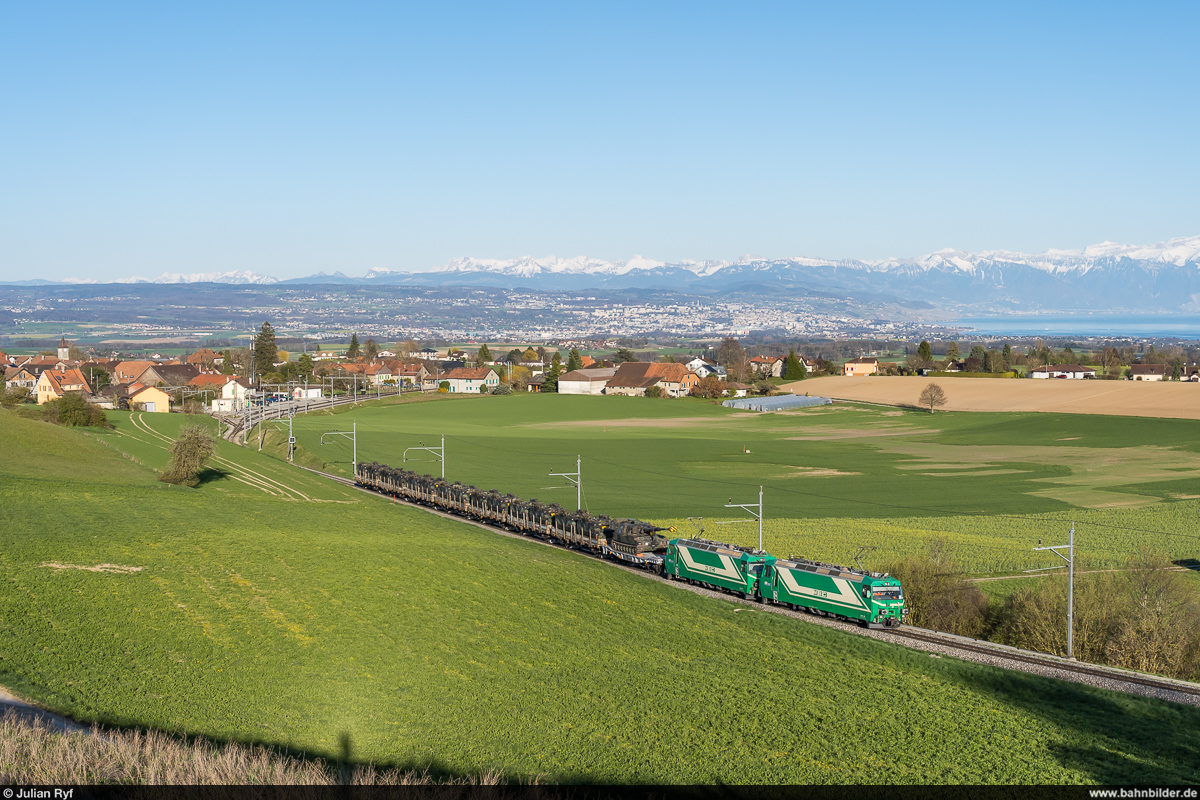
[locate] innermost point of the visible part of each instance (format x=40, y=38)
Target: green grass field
x=239, y=610
x=835, y=477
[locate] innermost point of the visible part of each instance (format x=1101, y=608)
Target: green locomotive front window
x=887, y=593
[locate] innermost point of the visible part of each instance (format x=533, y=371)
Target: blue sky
x=287, y=138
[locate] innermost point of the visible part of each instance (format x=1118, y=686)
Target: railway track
x=1051, y=662
x=918, y=638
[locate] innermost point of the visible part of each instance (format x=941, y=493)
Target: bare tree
x=932, y=396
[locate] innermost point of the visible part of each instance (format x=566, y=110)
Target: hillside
x=346, y=626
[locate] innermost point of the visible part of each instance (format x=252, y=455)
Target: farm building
x=1070, y=371
x=857, y=367
x=635, y=377
x=586, y=381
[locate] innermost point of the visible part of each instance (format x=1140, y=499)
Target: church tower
x=64, y=349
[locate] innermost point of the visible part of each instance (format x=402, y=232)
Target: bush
x=503, y=388
x=937, y=593
x=1142, y=618
x=189, y=453
x=444, y=387
x=73, y=410
x=14, y=396
x=655, y=391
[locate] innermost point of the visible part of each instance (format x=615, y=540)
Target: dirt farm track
x=1179, y=400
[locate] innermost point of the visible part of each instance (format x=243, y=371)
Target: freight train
x=872, y=599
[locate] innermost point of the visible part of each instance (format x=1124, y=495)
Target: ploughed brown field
x=1180, y=400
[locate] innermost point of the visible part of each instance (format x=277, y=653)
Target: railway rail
x=917, y=638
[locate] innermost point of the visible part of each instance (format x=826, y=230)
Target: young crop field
x=835, y=478
x=269, y=606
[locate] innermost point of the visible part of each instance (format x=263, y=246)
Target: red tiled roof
x=468, y=373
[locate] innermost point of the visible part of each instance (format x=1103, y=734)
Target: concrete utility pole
x=576, y=478
x=755, y=510
x=1070, y=548
x=440, y=452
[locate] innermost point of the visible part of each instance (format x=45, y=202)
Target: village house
x=20, y=378
x=204, y=358
x=585, y=381
x=134, y=397
x=704, y=367
x=857, y=367
x=633, y=378
x=768, y=366
x=1150, y=372
x=411, y=374
x=128, y=371
x=167, y=375
x=471, y=380
x=1068, y=371
x=149, y=399
x=52, y=384
x=235, y=394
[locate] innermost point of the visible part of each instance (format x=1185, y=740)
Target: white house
x=768, y=366
x=1150, y=372
x=703, y=368
x=586, y=381
x=471, y=380
x=1071, y=371
x=234, y=396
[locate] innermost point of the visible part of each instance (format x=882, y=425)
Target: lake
x=1128, y=325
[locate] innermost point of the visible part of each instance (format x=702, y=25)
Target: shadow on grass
x=1110, y=738
x=210, y=474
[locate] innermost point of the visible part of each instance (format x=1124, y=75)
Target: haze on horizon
x=295, y=138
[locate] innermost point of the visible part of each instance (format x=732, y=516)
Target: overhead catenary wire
x=920, y=510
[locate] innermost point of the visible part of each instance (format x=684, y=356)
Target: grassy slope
x=428, y=641
x=685, y=458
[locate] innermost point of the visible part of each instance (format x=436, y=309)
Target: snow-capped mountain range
x=1158, y=277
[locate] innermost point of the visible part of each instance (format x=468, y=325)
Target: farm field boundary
x=1169, y=399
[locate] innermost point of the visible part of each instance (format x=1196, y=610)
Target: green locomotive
x=871, y=598
x=715, y=564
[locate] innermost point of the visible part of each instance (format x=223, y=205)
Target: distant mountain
x=1161, y=278
x=236, y=277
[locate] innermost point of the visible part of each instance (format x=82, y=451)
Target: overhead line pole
x=755, y=510
x=440, y=452
x=1070, y=548
x=353, y=435
x=576, y=478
